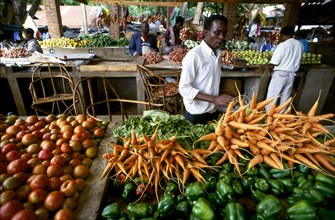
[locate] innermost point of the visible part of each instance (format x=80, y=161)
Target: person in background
x=171, y=39
x=142, y=42
x=267, y=46
x=286, y=58
x=201, y=74
x=302, y=38
x=30, y=43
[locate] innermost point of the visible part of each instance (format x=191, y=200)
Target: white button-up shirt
x=201, y=73
x=287, y=55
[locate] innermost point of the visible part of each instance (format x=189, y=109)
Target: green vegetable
x=325, y=189
x=262, y=185
x=237, y=186
x=227, y=177
x=247, y=182
x=263, y=173
x=224, y=189
x=303, y=182
x=194, y=191
x=183, y=209
x=311, y=195
x=226, y=167
x=128, y=192
x=287, y=183
x=221, y=200
x=302, y=210
x=257, y=195
x=276, y=187
x=166, y=206
x=210, y=183
x=326, y=214
x=325, y=179
x=112, y=211
x=202, y=210
x=139, y=210
x=276, y=173
x=253, y=171
x=234, y=211
x=171, y=188
x=269, y=207
x=302, y=168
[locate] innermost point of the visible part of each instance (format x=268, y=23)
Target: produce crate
x=239, y=62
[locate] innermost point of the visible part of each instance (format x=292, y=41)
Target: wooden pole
x=84, y=13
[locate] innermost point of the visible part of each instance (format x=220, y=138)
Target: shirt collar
x=209, y=50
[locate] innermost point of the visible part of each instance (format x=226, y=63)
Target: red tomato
x=65, y=213
x=25, y=214
x=54, y=201
x=9, y=209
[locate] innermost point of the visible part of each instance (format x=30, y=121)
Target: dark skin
x=144, y=32
x=215, y=39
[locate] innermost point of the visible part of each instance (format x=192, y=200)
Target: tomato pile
x=44, y=163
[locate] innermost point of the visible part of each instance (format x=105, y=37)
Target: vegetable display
x=14, y=52
x=178, y=55
x=152, y=57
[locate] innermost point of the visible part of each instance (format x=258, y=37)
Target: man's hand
x=223, y=100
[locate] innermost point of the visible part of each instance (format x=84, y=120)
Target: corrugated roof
x=317, y=12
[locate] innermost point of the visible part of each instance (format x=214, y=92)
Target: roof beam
x=142, y=3
x=249, y=1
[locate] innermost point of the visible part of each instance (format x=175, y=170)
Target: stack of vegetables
x=267, y=165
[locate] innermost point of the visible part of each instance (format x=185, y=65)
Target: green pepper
x=112, y=211
x=210, y=183
x=234, y=211
x=298, y=192
x=139, y=210
x=180, y=197
x=297, y=174
x=325, y=189
x=171, y=188
x=303, y=182
x=194, y=191
x=302, y=168
x=221, y=200
x=128, y=192
x=302, y=210
x=291, y=200
x=237, y=187
x=149, y=218
x=183, y=209
x=312, y=195
x=325, y=179
x=247, y=182
x=262, y=184
x=257, y=195
x=226, y=167
x=253, y=171
x=212, y=159
x=202, y=210
x=142, y=179
x=287, y=183
x=227, y=177
x=276, y=173
x=166, y=206
x=268, y=207
x=224, y=189
x=276, y=187
x=263, y=173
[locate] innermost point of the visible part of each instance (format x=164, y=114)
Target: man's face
x=179, y=26
x=216, y=35
x=145, y=28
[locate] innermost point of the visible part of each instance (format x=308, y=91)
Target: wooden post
x=85, y=25
x=230, y=12
x=54, y=18
x=291, y=14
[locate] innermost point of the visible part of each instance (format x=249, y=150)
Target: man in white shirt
x=286, y=58
x=200, y=77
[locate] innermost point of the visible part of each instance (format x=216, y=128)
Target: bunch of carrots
x=273, y=136
x=153, y=160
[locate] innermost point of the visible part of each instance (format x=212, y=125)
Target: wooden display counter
x=310, y=80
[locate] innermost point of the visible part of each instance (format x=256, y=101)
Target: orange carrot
x=264, y=145
x=256, y=120
x=261, y=105
x=271, y=109
x=198, y=157
x=306, y=162
x=222, y=159
x=276, y=159
x=313, y=159
x=221, y=141
x=244, y=126
x=186, y=175
x=202, y=151
x=312, y=111
x=323, y=160
x=320, y=127
x=270, y=162
x=257, y=159
x=212, y=145
x=228, y=112
x=253, y=101
x=207, y=137
x=179, y=148
x=154, y=136
x=253, y=148
x=228, y=133
x=180, y=161
x=283, y=106
x=239, y=142
x=319, y=118
x=219, y=129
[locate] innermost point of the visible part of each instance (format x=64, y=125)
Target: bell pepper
x=166, y=206
x=247, y=182
x=302, y=210
x=112, y=211
x=264, y=173
x=326, y=214
x=325, y=189
x=257, y=195
x=180, y=197
x=128, y=192
x=222, y=200
x=234, y=211
x=224, y=189
x=226, y=167
x=297, y=173
x=287, y=183
x=269, y=207
x=325, y=179
x=237, y=187
x=276, y=187
x=171, y=188
x=276, y=173
x=202, y=210
x=226, y=177
x=183, y=209
x=302, y=168
x=242, y=169
x=139, y=210
x=311, y=195
x=262, y=184
x=210, y=183
x=253, y=171
x=212, y=159
x=303, y=182
x=194, y=191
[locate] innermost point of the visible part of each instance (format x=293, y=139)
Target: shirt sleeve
x=132, y=45
x=277, y=55
x=187, y=77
